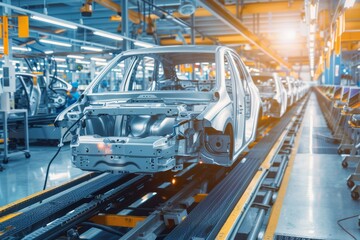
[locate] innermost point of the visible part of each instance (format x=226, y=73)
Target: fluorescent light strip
x=101, y=63
x=55, y=43
x=95, y=49
x=313, y=9
x=21, y=49
x=82, y=62
x=62, y=65
x=18, y=48
x=49, y=52
x=55, y=22
x=349, y=3
x=109, y=35
x=60, y=59
x=61, y=70
x=98, y=59
x=143, y=44
x=75, y=56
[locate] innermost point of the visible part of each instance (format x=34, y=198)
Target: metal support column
x=332, y=69
x=5, y=97
x=337, y=73
x=125, y=24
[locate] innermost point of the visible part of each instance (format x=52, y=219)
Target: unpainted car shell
x=32, y=92
x=274, y=101
x=213, y=131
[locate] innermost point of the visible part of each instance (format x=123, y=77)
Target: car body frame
x=272, y=92
x=160, y=119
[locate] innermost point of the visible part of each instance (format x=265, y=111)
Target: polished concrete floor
x=23, y=177
x=317, y=195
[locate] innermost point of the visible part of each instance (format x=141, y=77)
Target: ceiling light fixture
x=95, y=49
x=101, y=63
x=313, y=11
x=109, y=35
x=55, y=43
x=143, y=44
x=82, y=62
x=349, y=3
x=53, y=21
x=49, y=52
x=62, y=65
x=98, y=59
x=75, y=56
x=60, y=59
x=25, y=49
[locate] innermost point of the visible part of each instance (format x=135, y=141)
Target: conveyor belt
x=205, y=221
x=17, y=226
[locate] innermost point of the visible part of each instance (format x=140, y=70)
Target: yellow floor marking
x=276, y=209
x=239, y=208
x=7, y=217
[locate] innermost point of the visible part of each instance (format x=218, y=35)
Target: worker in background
x=72, y=95
x=103, y=86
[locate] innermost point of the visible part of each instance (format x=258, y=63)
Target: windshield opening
x=160, y=72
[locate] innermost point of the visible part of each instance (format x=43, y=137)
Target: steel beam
x=228, y=18
x=350, y=36
x=135, y=17
x=255, y=8
x=226, y=39
x=352, y=26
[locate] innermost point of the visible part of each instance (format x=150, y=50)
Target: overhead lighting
x=62, y=65
x=98, y=59
x=75, y=56
x=95, y=49
x=49, y=52
x=311, y=37
x=349, y=3
x=55, y=43
x=247, y=47
x=60, y=59
x=109, y=35
x=25, y=49
x=313, y=11
x=82, y=62
x=55, y=22
x=326, y=49
x=312, y=28
x=101, y=63
x=61, y=70
x=143, y=44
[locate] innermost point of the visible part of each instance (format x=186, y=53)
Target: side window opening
x=227, y=74
x=245, y=83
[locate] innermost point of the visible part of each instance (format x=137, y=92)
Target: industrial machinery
x=175, y=105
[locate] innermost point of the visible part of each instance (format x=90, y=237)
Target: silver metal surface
x=157, y=120
x=317, y=195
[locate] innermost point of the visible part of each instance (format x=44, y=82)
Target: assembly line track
x=207, y=218
x=82, y=200
x=21, y=225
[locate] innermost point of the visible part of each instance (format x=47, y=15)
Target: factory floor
x=23, y=177
x=317, y=195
